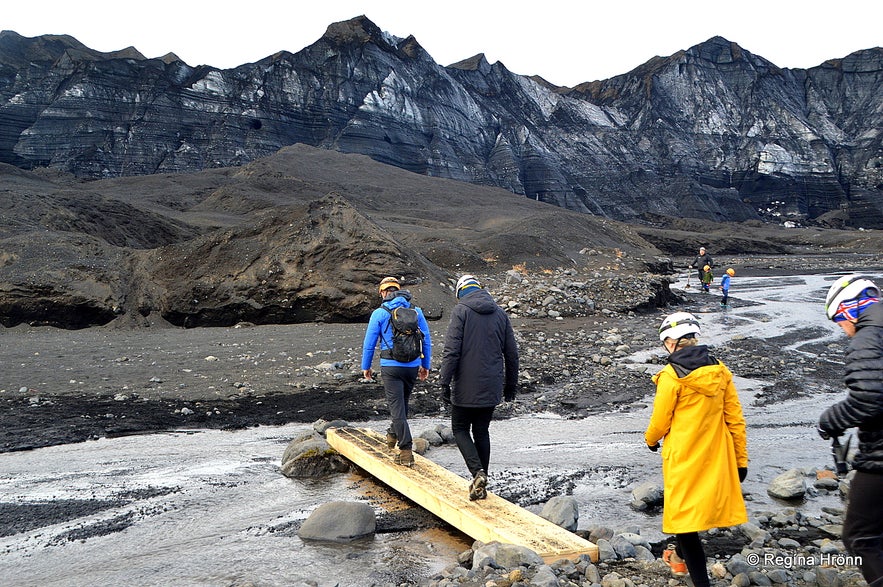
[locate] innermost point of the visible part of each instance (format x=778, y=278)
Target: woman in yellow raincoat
x=704, y=456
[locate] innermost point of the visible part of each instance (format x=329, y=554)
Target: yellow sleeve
x=663, y=406
x=735, y=422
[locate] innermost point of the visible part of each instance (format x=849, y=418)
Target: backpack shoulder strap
x=388, y=322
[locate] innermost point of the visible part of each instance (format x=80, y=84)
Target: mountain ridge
x=712, y=132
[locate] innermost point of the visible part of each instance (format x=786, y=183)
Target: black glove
x=446, y=393
x=743, y=472
x=829, y=434
x=654, y=448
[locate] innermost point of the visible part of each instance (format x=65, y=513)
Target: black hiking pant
x=398, y=382
x=863, y=526
x=689, y=548
x=475, y=446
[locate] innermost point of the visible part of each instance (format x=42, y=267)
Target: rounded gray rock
x=563, y=511
x=339, y=521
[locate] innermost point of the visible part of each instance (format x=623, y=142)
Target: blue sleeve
x=372, y=333
x=426, y=361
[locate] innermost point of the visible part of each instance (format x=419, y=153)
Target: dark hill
x=300, y=236
x=304, y=235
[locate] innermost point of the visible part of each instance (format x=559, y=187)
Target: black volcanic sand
x=62, y=386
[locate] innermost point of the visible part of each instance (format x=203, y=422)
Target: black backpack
x=407, y=338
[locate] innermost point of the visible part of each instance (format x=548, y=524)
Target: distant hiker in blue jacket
x=398, y=377
x=725, y=285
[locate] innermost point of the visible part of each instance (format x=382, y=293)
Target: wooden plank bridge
x=446, y=495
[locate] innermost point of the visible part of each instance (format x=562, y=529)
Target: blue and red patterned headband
x=852, y=309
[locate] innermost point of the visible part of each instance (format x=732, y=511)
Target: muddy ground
x=70, y=386
x=60, y=386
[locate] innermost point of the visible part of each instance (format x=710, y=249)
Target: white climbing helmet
x=844, y=289
x=678, y=325
x=466, y=280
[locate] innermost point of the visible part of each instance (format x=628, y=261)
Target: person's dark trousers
x=863, y=526
x=398, y=382
x=725, y=298
x=475, y=446
x=690, y=549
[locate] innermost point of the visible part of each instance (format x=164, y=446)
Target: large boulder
x=562, y=510
x=310, y=456
x=339, y=521
x=647, y=495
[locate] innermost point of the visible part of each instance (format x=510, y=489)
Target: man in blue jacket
x=479, y=368
x=398, y=377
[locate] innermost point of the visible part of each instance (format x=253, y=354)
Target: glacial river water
x=210, y=508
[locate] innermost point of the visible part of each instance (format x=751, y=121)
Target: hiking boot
x=405, y=457
x=478, y=487
x=676, y=564
x=391, y=440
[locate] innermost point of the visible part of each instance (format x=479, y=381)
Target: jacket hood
x=480, y=301
x=402, y=300
x=706, y=375
x=692, y=357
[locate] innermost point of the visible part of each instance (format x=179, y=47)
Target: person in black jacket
x=701, y=260
x=479, y=368
x=853, y=302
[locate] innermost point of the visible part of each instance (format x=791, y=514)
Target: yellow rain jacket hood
x=700, y=419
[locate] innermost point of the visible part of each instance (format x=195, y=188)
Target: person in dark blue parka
x=479, y=369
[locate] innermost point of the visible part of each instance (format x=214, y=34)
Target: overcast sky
x=566, y=42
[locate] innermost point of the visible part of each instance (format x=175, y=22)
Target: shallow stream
x=211, y=507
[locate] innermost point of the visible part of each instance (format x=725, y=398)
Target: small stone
x=790, y=485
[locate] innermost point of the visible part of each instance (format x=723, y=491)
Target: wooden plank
x=446, y=495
